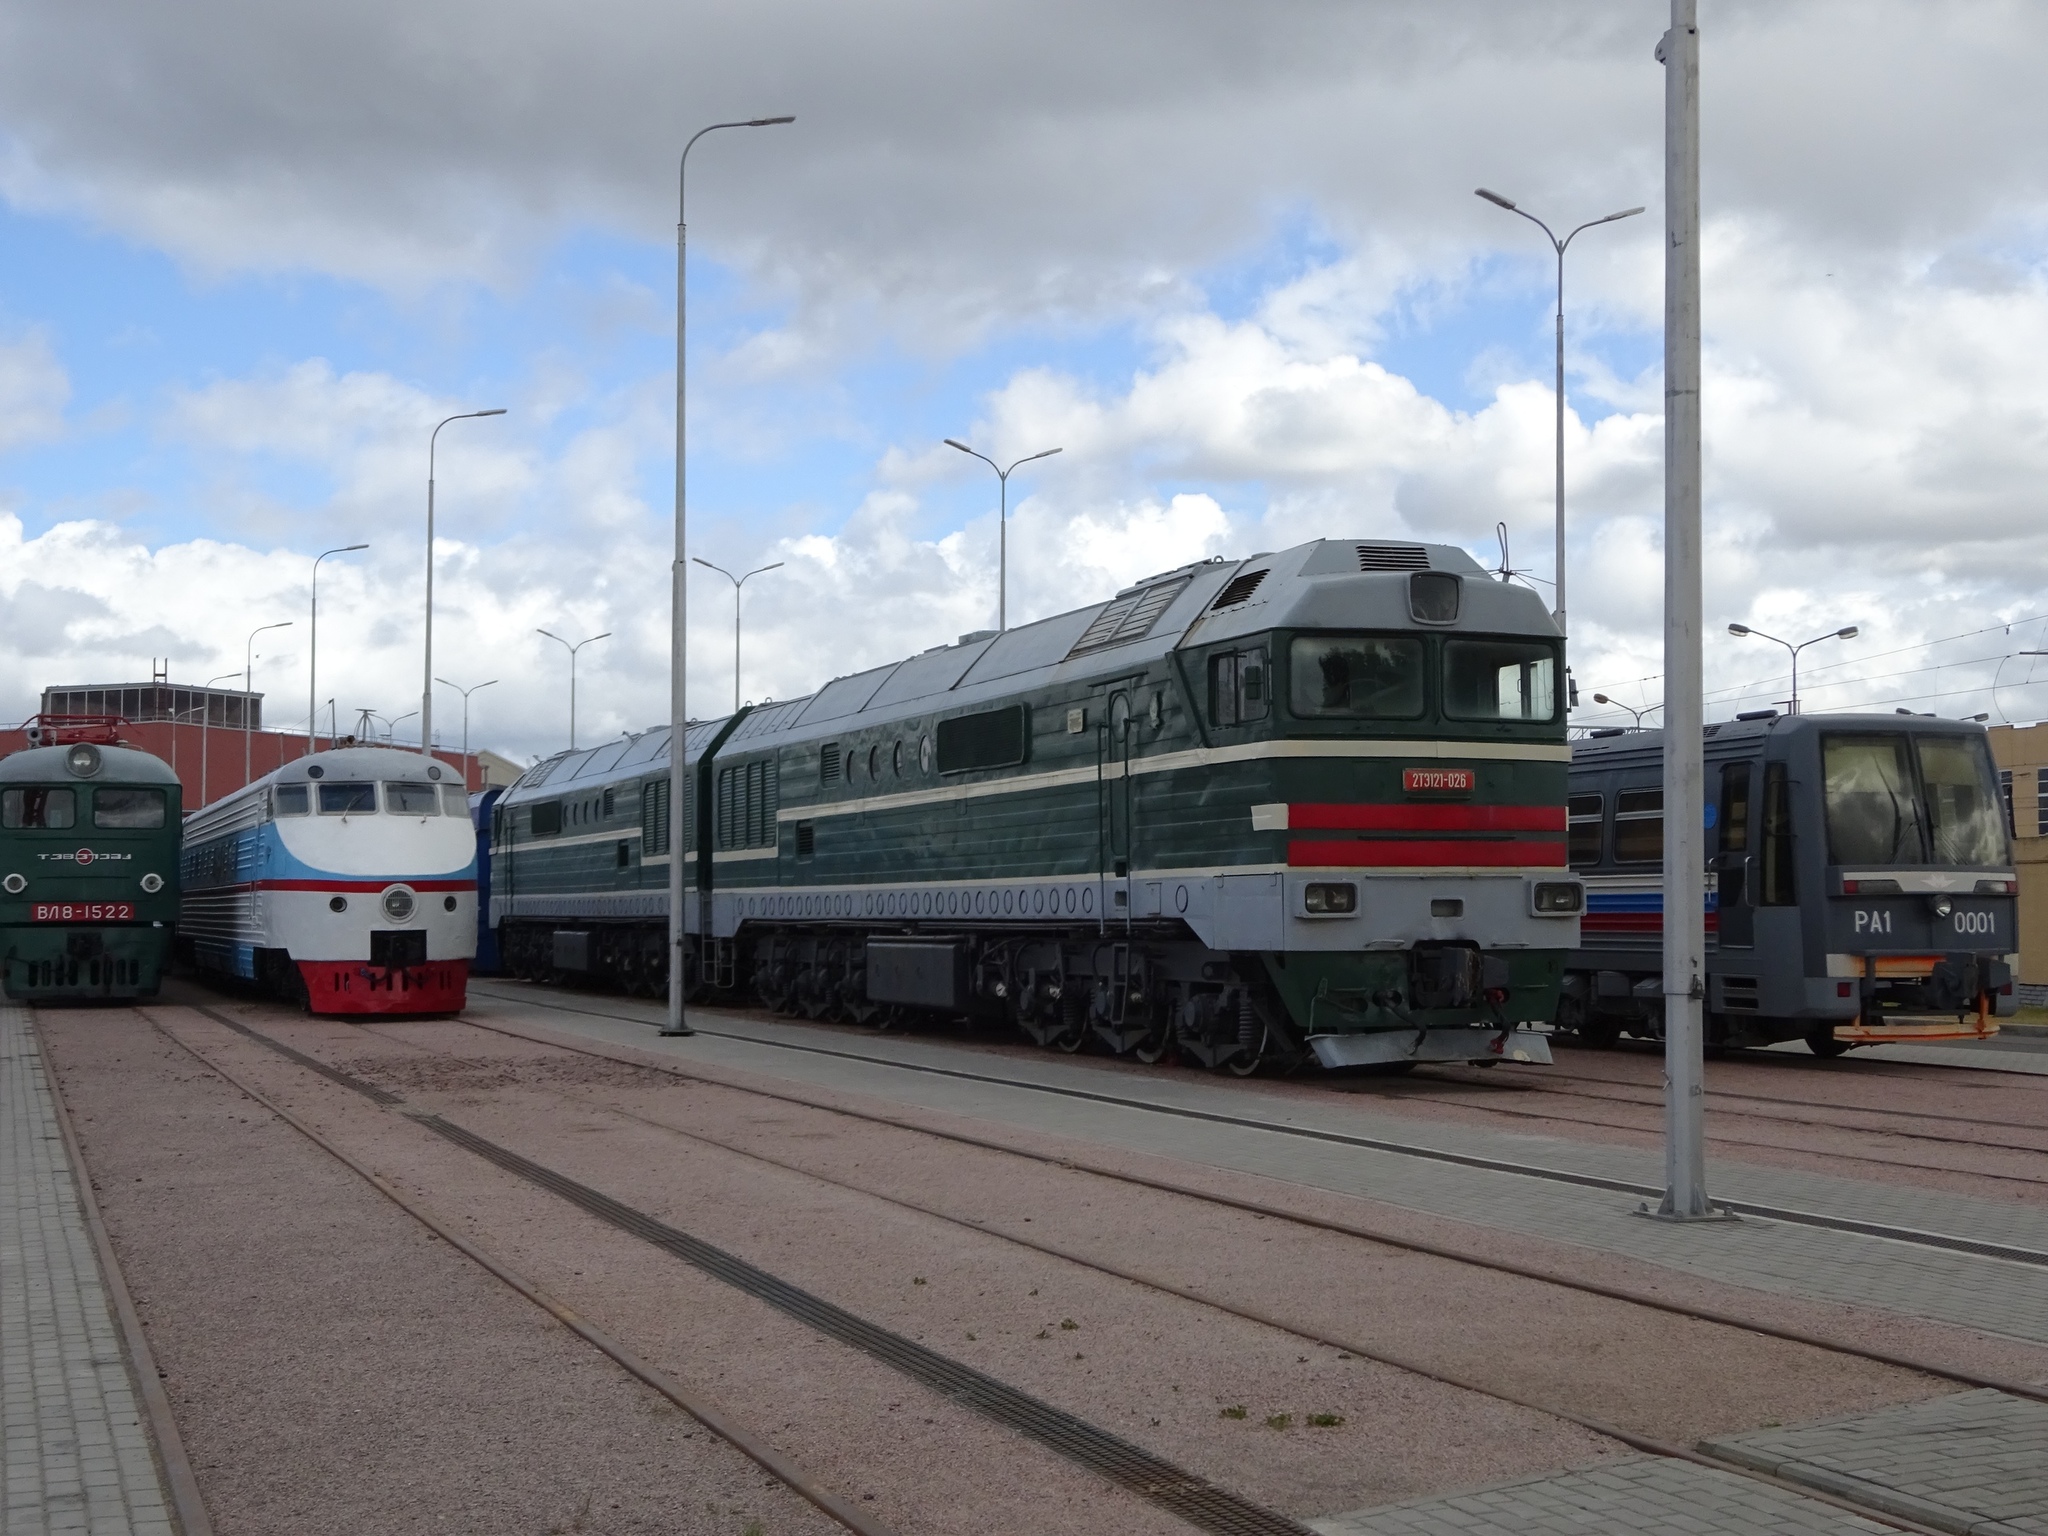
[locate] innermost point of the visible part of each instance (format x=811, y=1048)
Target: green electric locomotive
x=88, y=867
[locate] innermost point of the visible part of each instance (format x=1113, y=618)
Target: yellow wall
x=2023, y=750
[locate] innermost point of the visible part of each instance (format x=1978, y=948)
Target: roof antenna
x=1507, y=572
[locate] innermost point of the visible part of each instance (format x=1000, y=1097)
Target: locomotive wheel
x=1157, y=1042
x=1822, y=1042
x=1247, y=1062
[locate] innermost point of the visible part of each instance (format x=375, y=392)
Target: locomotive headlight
x=15, y=884
x=1557, y=898
x=1942, y=906
x=83, y=760
x=152, y=882
x=398, y=903
x=1329, y=898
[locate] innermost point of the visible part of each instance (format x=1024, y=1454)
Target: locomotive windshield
x=342, y=799
x=121, y=807
x=1500, y=680
x=1358, y=677
x=1898, y=799
x=38, y=808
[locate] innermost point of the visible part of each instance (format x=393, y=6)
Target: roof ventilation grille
x=1128, y=617
x=1392, y=557
x=1238, y=590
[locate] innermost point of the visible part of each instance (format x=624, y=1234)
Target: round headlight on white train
x=15, y=884
x=152, y=882
x=398, y=903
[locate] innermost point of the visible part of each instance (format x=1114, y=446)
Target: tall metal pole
x=1685, y=1160
x=1557, y=392
x=427, y=686
x=1002, y=525
x=313, y=651
x=248, y=663
x=679, y=598
x=737, y=583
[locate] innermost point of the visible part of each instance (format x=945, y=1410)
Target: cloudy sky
x=1226, y=257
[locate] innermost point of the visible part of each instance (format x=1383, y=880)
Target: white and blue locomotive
x=346, y=879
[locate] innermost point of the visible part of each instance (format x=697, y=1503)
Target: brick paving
x=1973, y=1462
x=1619, y=1498
x=75, y=1455
x=1997, y=1296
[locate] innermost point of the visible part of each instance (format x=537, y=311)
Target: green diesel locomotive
x=88, y=866
x=1305, y=805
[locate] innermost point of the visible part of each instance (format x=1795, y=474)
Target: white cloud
x=34, y=390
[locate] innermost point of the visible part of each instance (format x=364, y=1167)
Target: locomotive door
x=1113, y=803
x=1732, y=864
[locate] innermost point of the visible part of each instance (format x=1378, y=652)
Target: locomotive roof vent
x=1128, y=616
x=1757, y=714
x=1392, y=557
x=1238, y=589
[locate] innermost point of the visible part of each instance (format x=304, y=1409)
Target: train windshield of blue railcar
x=38, y=808
x=348, y=799
x=1873, y=812
x=1361, y=677
x=403, y=799
x=123, y=807
x=1500, y=680
x=1965, y=816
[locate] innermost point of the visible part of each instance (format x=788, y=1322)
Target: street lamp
x=1637, y=714
x=737, y=583
x=678, y=593
x=1838, y=634
x=465, y=692
x=313, y=653
x=1627, y=213
x=427, y=687
x=391, y=732
x=573, y=649
x=1002, y=526
x=248, y=662
x=205, y=721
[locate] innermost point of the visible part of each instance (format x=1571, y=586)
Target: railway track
x=1790, y=1215
x=946, y=1377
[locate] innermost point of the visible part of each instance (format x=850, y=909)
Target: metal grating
x=1392, y=557
x=1238, y=590
x=1129, y=616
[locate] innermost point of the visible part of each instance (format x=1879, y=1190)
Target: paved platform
x=1619, y=1498
x=1995, y=1295
x=75, y=1454
x=1975, y=1463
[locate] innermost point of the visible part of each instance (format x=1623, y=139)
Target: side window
x=290, y=800
x=547, y=818
x=1583, y=821
x=454, y=800
x=1734, y=814
x=1223, y=689
x=1240, y=687
x=1774, y=866
x=1639, y=826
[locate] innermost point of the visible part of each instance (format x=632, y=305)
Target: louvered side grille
x=1239, y=589
x=1392, y=557
x=1128, y=617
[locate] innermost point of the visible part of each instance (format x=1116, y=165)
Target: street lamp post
x=1002, y=525
x=313, y=652
x=572, y=649
x=1834, y=634
x=205, y=721
x=1627, y=213
x=737, y=583
x=678, y=594
x=427, y=687
x=465, y=692
x=248, y=662
x=391, y=733
x=1634, y=713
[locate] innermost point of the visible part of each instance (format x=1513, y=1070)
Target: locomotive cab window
x=290, y=800
x=454, y=802
x=1356, y=677
x=402, y=798
x=348, y=799
x=1965, y=821
x=25, y=808
x=1500, y=680
x=127, y=808
x=1240, y=687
